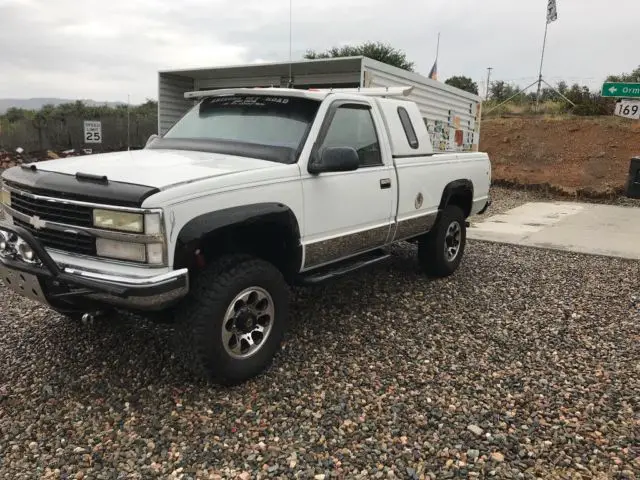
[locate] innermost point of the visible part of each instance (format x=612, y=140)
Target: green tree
x=577, y=93
x=376, y=50
x=147, y=109
x=15, y=114
x=562, y=87
x=500, y=91
x=626, y=77
x=463, y=83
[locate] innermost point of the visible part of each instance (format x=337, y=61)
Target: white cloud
x=107, y=49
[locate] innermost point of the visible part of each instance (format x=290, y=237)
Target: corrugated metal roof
x=302, y=67
x=418, y=78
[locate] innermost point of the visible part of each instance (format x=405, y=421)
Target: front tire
x=235, y=319
x=441, y=250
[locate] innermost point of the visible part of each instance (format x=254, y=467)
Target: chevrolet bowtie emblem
x=37, y=223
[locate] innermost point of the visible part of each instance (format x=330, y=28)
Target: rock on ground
x=380, y=376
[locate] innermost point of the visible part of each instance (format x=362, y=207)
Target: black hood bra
x=80, y=187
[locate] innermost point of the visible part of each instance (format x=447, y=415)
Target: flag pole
x=544, y=44
x=434, y=70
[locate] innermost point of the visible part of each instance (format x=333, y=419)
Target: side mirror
x=336, y=159
x=151, y=138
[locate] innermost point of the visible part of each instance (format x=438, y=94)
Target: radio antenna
x=290, y=36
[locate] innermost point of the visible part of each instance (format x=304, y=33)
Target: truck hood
x=155, y=168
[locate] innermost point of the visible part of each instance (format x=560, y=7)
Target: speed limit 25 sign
x=92, y=131
x=628, y=109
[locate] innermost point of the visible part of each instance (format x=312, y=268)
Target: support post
x=561, y=95
x=544, y=44
x=512, y=97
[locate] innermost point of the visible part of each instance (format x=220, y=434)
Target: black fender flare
x=198, y=229
x=454, y=187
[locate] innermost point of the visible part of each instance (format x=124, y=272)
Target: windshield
x=257, y=120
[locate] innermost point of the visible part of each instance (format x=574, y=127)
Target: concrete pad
x=570, y=226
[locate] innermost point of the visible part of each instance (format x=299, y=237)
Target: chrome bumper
x=45, y=281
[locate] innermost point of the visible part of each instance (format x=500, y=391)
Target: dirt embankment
x=573, y=156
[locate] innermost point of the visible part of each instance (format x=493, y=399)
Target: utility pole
x=488, y=81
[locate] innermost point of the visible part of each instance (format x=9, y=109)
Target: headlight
x=149, y=223
x=123, y=221
x=152, y=253
x=5, y=197
x=134, y=252
x=137, y=223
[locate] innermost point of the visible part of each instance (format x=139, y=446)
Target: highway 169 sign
x=628, y=109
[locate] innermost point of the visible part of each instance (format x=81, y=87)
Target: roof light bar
x=250, y=91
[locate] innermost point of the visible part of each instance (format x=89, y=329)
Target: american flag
x=433, y=74
x=552, y=11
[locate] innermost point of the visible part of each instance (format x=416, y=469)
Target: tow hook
x=89, y=318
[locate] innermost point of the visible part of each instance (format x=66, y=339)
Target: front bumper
x=55, y=285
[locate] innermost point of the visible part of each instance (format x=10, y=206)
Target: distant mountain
x=38, y=103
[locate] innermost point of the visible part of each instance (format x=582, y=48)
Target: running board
x=340, y=269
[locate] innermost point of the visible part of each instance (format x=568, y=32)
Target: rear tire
x=440, y=251
x=234, y=320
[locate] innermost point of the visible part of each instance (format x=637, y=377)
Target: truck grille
x=76, y=215
x=65, y=241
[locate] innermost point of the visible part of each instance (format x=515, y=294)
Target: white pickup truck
x=252, y=190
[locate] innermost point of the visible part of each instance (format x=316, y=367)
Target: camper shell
x=451, y=115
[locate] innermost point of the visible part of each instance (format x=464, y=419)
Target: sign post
x=92, y=131
x=621, y=89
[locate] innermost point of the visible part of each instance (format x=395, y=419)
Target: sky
x=106, y=50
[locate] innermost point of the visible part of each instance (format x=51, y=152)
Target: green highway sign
x=619, y=89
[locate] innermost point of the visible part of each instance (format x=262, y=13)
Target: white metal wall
x=171, y=102
x=444, y=109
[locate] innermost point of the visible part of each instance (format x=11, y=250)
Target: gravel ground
x=524, y=364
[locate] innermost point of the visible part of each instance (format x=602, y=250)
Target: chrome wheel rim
x=248, y=322
x=452, y=241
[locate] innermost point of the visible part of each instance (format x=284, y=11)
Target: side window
x=409, y=131
x=352, y=126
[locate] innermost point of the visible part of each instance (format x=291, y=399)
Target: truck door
x=347, y=213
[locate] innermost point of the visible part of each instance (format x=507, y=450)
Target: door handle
x=385, y=183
